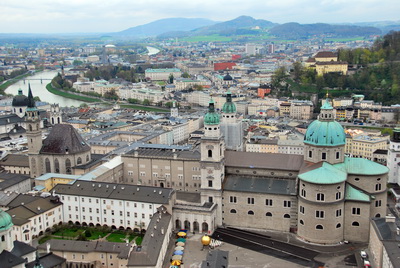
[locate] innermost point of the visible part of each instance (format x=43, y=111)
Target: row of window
x=128, y=213
x=321, y=227
x=97, y=201
x=251, y=212
x=323, y=155
x=90, y=218
x=268, y=202
x=321, y=196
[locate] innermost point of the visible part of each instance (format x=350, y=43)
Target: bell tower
x=33, y=135
x=212, y=162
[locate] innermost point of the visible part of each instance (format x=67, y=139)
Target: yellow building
x=262, y=146
x=47, y=181
x=363, y=146
x=326, y=62
x=331, y=67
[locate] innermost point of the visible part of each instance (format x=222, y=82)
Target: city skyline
x=88, y=16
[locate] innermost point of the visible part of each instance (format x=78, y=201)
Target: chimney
x=48, y=247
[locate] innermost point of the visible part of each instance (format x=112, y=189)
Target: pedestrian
x=272, y=243
x=236, y=258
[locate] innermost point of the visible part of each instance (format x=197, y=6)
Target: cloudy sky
x=73, y=16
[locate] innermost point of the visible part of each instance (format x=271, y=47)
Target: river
x=39, y=89
x=152, y=50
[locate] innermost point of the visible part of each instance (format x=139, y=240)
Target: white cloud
x=108, y=16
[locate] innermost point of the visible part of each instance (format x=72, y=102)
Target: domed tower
x=19, y=104
x=6, y=243
x=322, y=185
x=228, y=80
x=231, y=127
x=393, y=160
x=212, y=150
x=325, y=138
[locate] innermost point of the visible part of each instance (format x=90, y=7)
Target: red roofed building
x=236, y=57
x=224, y=66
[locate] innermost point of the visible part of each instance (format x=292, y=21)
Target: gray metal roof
x=260, y=185
x=148, y=253
x=64, y=139
x=263, y=160
x=116, y=191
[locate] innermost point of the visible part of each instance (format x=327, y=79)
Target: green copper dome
x=211, y=118
x=229, y=106
x=325, y=133
x=5, y=221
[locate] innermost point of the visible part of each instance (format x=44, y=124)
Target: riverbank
x=69, y=95
x=11, y=81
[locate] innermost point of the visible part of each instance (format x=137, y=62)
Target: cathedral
x=322, y=196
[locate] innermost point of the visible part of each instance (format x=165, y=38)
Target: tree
x=77, y=62
x=134, y=101
x=36, y=98
x=185, y=75
x=198, y=87
x=146, y=102
x=171, y=79
x=111, y=94
x=278, y=77
x=298, y=70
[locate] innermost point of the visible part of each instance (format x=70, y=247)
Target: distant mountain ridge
x=165, y=25
x=246, y=25
x=293, y=30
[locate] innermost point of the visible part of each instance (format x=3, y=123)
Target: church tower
x=231, y=127
x=55, y=114
x=174, y=110
x=212, y=162
x=33, y=134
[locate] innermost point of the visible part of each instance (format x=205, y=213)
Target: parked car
x=363, y=254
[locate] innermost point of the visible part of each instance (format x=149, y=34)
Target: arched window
x=378, y=215
x=301, y=222
x=87, y=158
x=68, y=166
x=319, y=227
x=338, y=225
x=287, y=216
x=209, y=153
x=30, y=127
x=79, y=161
x=47, y=164
x=268, y=214
x=52, y=121
x=250, y=212
x=20, y=110
x=56, y=166
x=355, y=223
x=233, y=211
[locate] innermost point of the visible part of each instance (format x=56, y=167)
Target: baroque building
x=60, y=152
x=322, y=196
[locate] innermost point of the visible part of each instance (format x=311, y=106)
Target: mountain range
x=246, y=25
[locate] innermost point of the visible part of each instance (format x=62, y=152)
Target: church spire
x=31, y=101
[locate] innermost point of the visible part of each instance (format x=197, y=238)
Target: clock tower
x=212, y=162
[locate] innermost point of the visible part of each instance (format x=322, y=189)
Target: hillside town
x=179, y=140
